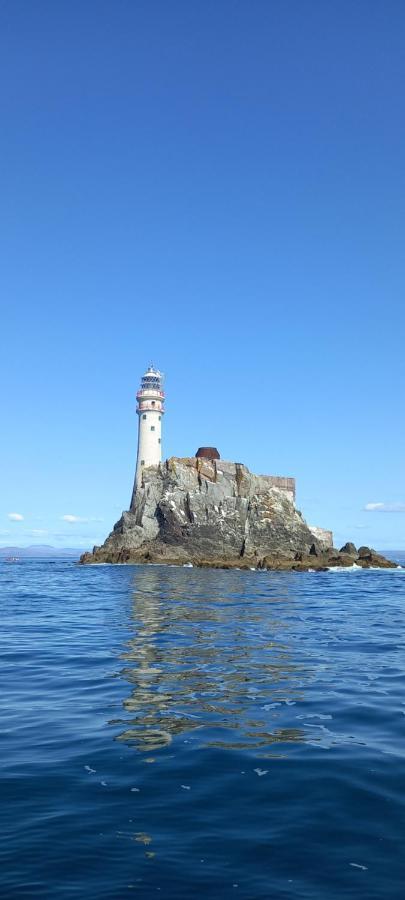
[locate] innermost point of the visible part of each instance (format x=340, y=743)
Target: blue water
x=191, y=733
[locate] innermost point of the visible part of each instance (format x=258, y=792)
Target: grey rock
x=349, y=549
x=200, y=510
x=364, y=552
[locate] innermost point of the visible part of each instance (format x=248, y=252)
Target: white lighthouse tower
x=150, y=409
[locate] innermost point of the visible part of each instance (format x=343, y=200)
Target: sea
x=190, y=733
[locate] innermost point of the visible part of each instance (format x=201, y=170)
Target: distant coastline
x=40, y=551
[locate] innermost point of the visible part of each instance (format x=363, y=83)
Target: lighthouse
x=150, y=409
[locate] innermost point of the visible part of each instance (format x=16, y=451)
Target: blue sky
x=217, y=187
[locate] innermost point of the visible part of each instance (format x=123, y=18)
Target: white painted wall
x=149, y=440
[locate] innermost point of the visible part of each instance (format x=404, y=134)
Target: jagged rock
x=364, y=552
x=350, y=549
x=217, y=513
x=373, y=560
x=196, y=509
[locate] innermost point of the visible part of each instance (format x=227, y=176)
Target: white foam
x=356, y=568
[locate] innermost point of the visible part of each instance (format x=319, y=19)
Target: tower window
x=142, y=462
x=160, y=440
x=152, y=427
x=144, y=416
x=153, y=403
x=160, y=418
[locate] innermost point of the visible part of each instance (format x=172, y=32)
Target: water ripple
x=195, y=732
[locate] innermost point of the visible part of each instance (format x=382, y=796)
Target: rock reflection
x=207, y=661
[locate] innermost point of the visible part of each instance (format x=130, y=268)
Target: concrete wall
x=282, y=483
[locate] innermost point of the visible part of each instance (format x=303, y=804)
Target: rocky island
x=207, y=512
x=204, y=511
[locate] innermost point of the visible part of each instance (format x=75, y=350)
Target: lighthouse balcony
x=145, y=393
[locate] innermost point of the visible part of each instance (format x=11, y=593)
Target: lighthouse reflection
x=209, y=662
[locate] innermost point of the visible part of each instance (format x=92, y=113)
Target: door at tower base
x=150, y=411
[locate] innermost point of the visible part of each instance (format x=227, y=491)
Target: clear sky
x=217, y=187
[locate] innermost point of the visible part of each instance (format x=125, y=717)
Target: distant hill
x=40, y=550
